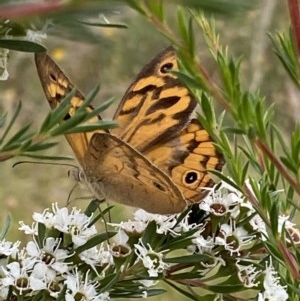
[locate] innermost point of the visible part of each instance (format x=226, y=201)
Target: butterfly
x=158, y=156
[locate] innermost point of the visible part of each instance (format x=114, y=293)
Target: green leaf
x=207, y=109
x=16, y=140
x=149, y=233
x=195, y=258
x=2, y=122
x=42, y=157
x=5, y=226
x=39, y=296
x=38, y=147
x=105, y=25
x=106, y=104
x=68, y=125
x=136, y=6
x=95, y=240
x=12, y=121
x=101, y=214
x=182, y=291
x=58, y=114
x=223, y=7
x=157, y=8
x=226, y=288
x=109, y=281
x=190, y=81
x=181, y=20
x=92, y=207
x=41, y=234
x=274, y=219
x=21, y=45
x=191, y=43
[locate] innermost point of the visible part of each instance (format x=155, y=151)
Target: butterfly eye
x=166, y=67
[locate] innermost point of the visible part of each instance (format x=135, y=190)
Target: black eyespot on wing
x=52, y=76
x=166, y=67
x=191, y=177
x=159, y=186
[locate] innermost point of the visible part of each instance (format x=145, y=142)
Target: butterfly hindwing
x=186, y=158
x=127, y=177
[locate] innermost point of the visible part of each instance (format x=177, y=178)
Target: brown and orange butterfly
x=157, y=159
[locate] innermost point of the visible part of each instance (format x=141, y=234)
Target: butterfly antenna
x=44, y=163
x=70, y=194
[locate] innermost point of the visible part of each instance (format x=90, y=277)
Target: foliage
x=245, y=241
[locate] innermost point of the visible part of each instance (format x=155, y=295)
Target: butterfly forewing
x=156, y=107
x=57, y=86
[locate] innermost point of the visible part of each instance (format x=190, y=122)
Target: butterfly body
x=157, y=159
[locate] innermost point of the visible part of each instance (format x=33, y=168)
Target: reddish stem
x=21, y=10
x=264, y=148
x=290, y=260
x=293, y=6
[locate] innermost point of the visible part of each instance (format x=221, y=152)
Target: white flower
x=77, y=289
x=142, y=218
x=16, y=276
x=259, y=225
x=152, y=261
x=223, y=201
x=273, y=290
x=184, y=225
x=283, y=223
x=46, y=218
x=147, y=283
x=75, y=223
x=120, y=248
x=290, y=227
x=121, y=238
x=3, y=293
x=41, y=277
x=233, y=238
x=50, y=254
x=97, y=257
x=164, y=223
x=247, y=274
x=35, y=35
x=8, y=248
x=204, y=245
x=3, y=63
x=131, y=226
x=33, y=230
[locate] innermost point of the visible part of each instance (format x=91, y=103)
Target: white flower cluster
x=48, y=265
x=67, y=256
x=226, y=206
